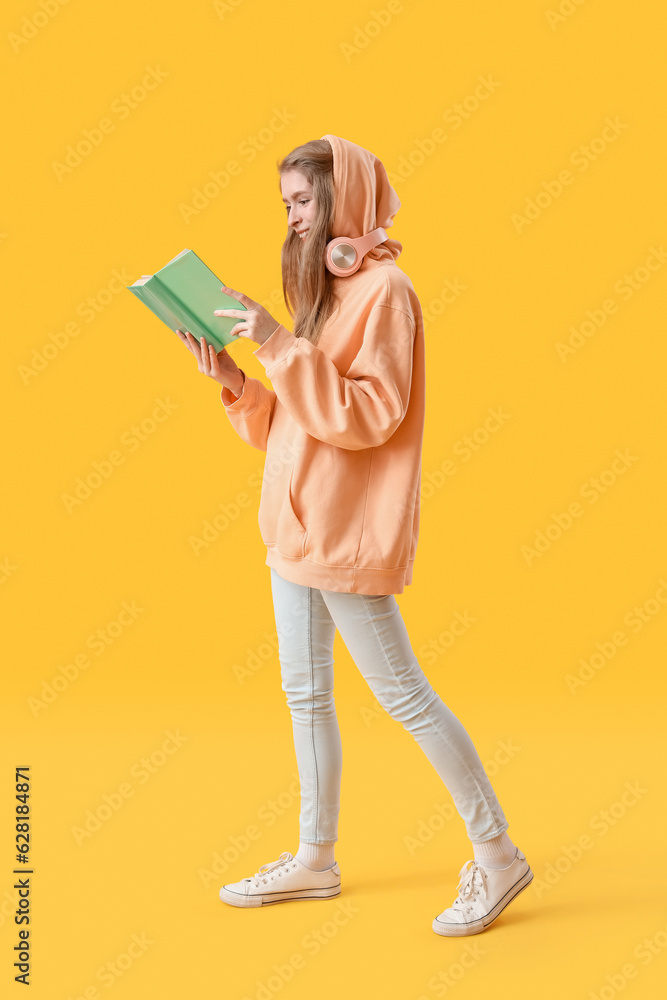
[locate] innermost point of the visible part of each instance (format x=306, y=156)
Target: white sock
x=317, y=857
x=499, y=852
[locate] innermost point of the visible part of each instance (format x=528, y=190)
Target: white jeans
x=374, y=632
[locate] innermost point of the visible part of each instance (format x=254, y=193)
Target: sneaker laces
x=471, y=880
x=260, y=875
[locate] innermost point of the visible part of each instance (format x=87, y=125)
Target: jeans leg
x=305, y=647
x=374, y=632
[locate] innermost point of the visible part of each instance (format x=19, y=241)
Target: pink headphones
x=344, y=254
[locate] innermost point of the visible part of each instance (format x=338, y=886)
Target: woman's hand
x=220, y=366
x=255, y=322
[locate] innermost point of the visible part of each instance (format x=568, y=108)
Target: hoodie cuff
x=276, y=347
x=246, y=402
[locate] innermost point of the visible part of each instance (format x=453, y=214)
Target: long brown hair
x=307, y=284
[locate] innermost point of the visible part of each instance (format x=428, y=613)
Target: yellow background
x=387, y=76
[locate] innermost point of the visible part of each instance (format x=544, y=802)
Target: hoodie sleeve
x=361, y=409
x=250, y=413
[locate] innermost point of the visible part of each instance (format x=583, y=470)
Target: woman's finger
x=181, y=336
x=194, y=346
x=204, y=355
x=240, y=313
x=243, y=299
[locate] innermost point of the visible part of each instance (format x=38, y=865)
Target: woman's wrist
x=238, y=389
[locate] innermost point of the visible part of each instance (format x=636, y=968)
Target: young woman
x=342, y=429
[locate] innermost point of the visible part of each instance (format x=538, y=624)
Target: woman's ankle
x=498, y=852
x=317, y=857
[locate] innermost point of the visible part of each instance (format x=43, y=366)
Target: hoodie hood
x=364, y=198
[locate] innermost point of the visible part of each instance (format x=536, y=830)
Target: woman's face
x=299, y=201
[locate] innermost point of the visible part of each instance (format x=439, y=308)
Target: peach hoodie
x=342, y=427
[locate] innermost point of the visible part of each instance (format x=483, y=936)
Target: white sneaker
x=281, y=880
x=483, y=895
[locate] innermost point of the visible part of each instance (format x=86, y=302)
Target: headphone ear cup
x=345, y=254
x=342, y=256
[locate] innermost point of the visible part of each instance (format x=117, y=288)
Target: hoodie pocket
x=290, y=533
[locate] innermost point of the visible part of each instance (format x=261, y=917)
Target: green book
x=183, y=294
